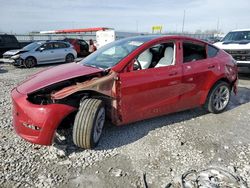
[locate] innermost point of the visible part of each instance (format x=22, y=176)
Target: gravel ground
x=149, y=153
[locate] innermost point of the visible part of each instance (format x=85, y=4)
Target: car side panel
x=196, y=76
x=149, y=93
x=59, y=54
x=43, y=57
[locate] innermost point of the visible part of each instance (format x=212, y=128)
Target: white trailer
x=104, y=37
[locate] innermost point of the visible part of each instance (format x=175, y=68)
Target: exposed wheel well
x=31, y=57
x=75, y=99
x=68, y=121
x=231, y=84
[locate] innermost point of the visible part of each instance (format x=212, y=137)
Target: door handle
x=52, y=51
x=173, y=73
x=211, y=67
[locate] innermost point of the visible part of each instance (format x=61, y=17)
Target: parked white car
x=42, y=52
x=237, y=44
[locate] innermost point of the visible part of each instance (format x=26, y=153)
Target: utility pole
x=218, y=25
x=136, y=25
x=183, y=21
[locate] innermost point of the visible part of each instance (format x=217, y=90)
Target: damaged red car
x=125, y=81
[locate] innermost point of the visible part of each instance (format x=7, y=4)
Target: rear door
x=60, y=51
x=150, y=92
x=198, y=70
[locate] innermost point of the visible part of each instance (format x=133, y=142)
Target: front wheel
x=218, y=98
x=29, y=62
x=88, y=124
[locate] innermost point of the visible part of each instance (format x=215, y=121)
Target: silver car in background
x=42, y=52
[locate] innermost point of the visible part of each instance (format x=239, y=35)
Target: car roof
x=240, y=30
x=148, y=38
x=48, y=41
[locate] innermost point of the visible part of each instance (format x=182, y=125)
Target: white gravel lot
x=161, y=148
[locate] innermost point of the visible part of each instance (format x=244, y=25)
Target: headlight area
x=17, y=60
x=41, y=98
x=44, y=95
x=37, y=123
x=15, y=57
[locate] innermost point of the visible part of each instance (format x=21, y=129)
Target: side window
x=160, y=55
x=211, y=51
x=10, y=39
x=81, y=42
x=58, y=45
x=1, y=39
x=193, y=52
x=47, y=46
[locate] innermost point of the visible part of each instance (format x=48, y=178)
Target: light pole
x=183, y=21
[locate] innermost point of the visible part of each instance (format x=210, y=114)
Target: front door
x=45, y=53
x=151, y=91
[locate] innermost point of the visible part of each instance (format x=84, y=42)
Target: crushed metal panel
x=102, y=85
x=105, y=85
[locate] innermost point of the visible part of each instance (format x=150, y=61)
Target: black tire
x=88, y=122
x=217, y=104
x=30, y=62
x=69, y=58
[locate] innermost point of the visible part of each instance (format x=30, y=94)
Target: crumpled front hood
x=14, y=52
x=54, y=75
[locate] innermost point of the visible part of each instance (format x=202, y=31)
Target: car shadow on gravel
x=244, y=76
x=114, y=137
x=242, y=97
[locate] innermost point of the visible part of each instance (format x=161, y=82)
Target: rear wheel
x=29, y=62
x=88, y=124
x=69, y=58
x=218, y=98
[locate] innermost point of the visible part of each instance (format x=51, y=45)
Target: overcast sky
x=22, y=16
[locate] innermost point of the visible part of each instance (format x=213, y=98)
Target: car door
x=45, y=53
x=198, y=70
x=150, y=92
x=60, y=51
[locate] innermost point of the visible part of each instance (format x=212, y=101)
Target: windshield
x=32, y=46
x=112, y=53
x=237, y=36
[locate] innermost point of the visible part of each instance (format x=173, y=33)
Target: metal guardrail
x=37, y=37
x=88, y=36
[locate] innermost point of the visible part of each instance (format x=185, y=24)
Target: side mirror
x=41, y=49
x=136, y=66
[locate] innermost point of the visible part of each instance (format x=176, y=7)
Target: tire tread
x=84, y=123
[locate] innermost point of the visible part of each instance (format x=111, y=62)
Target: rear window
x=212, y=51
